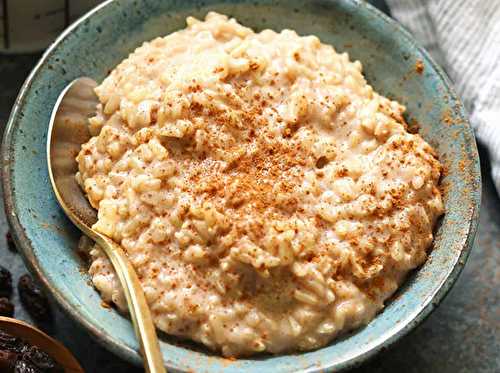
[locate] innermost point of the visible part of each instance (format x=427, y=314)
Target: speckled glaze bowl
x=393, y=63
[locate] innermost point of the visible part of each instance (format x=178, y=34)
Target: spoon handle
x=137, y=305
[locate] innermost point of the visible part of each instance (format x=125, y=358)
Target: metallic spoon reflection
x=68, y=130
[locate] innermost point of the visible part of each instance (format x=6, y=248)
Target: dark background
x=462, y=335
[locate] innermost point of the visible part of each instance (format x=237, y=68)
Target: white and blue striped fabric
x=464, y=37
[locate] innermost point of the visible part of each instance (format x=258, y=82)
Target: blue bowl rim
x=131, y=355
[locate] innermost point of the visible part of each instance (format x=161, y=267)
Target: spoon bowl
x=68, y=130
x=36, y=337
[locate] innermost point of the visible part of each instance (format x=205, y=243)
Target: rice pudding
x=268, y=198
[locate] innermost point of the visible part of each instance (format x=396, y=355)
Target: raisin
x=5, y=282
x=18, y=356
x=41, y=360
x=7, y=360
x=6, y=307
x=23, y=366
x=11, y=343
x=10, y=242
x=33, y=299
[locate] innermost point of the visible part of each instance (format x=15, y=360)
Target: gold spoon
x=36, y=337
x=68, y=130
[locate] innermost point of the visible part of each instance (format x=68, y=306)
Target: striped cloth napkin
x=464, y=37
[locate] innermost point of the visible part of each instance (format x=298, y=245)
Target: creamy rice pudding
x=267, y=197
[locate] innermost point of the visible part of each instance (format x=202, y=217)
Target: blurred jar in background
x=31, y=25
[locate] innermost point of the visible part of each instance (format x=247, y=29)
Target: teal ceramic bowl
x=105, y=36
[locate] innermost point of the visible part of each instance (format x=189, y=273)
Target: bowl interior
x=102, y=39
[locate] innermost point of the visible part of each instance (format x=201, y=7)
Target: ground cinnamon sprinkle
x=259, y=186
x=419, y=67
